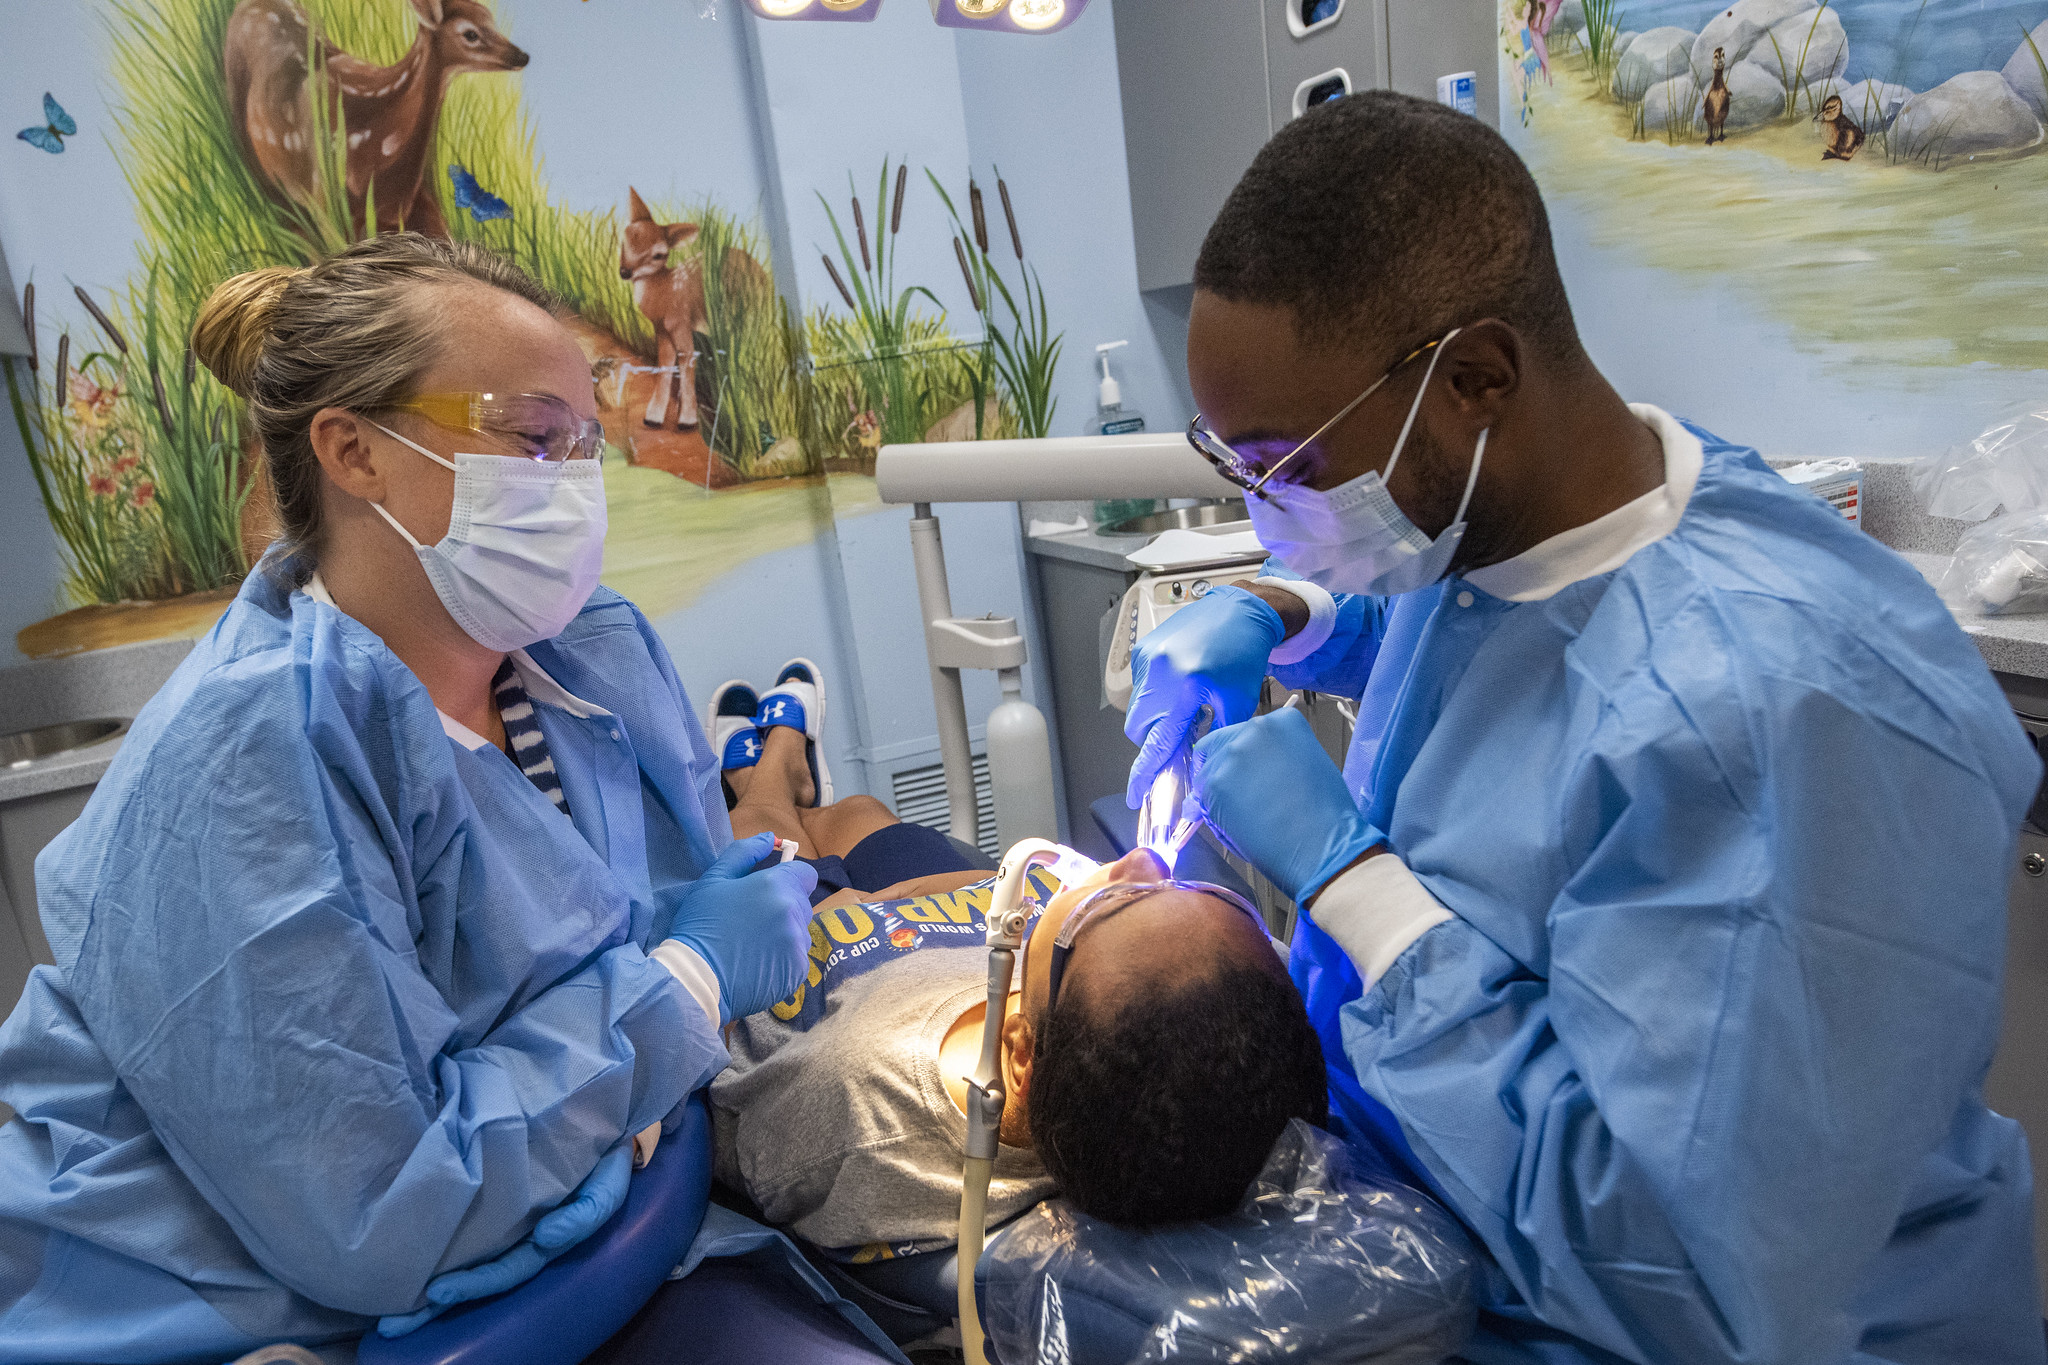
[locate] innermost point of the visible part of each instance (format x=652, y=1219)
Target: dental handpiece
x=1166, y=819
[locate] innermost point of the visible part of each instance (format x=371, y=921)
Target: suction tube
x=986, y=1097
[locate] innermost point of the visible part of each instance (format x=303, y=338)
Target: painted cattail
x=106, y=323
x=191, y=368
x=960, y=255
x=1010, y=216
x=163, y=409
x=896, y=213
x=860, y=233
x=844, y=292
x=28, y=321
x=63, y=367
x=979, y=214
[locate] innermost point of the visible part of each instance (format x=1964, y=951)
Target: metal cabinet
x=2018, y=1083
x=1206, y=82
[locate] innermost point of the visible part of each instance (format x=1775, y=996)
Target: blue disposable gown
x=339, y=1004
x=1726, y=833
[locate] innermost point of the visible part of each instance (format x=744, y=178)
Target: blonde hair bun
x=235, y=320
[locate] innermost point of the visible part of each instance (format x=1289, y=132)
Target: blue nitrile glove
x=1272, y=795
x=752, y=928
x=1212, y=653
x=602, y=1194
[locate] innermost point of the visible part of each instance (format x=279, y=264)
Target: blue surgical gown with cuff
x=1726, y=833
x=340, y=1004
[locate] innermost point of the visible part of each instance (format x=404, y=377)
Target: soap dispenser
x=1112, y=418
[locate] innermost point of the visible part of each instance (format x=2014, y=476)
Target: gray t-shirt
x=833, y=1117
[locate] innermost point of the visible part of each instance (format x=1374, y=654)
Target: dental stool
x=583, y=1296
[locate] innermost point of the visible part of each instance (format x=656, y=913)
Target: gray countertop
x=109, y=684
x=1891, y=514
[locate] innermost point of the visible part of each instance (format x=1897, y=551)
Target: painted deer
x=672, y=297
x=390, y=112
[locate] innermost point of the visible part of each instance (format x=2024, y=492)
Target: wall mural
x=261, y=132
x=1863, y=178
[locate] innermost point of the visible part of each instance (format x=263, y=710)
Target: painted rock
x=2023, y=72
x=1740, y=28
x=1874, y=104
x=1804, y=50
x=1652, y=57
x=1756, y=94
x=1672, y=104
x=1974, y=114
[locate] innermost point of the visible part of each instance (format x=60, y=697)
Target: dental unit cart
x=1021, y=770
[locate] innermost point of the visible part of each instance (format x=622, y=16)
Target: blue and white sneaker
x=730, y=723
x=798, y=701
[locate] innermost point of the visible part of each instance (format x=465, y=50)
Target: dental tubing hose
x=1007, y=917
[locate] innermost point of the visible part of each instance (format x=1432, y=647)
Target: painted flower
x=126, y=463
x=145, y=493
x=90, y=394
x=102, y=485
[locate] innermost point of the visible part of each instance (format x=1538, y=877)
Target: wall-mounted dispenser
x=1331, y=85
x=1312, y=16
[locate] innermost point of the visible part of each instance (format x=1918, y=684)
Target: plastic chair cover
x=1316, y=1264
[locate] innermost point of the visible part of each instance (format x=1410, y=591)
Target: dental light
x=1007, y=916
x=1008, y=16
x=845, y=11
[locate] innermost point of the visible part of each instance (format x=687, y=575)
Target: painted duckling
x=1844, y=134
x=1718, y=100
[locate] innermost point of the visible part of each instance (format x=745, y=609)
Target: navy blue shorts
x=888, y=856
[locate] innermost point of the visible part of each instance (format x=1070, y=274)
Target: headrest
x=1317, y=1263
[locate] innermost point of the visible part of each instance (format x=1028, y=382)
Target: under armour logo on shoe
x=751, y=747
x=775, y=712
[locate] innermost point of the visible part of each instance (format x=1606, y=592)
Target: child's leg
x=769, y=791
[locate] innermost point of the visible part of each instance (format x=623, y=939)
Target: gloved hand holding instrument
x=751, y=927
x=1210, y=653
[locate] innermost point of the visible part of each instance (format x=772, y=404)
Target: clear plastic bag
x=2000, y=568
x=1317, y=1264
x=2005, y=466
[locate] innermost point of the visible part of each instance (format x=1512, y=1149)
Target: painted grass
x=669, y=540
x=1885, y=267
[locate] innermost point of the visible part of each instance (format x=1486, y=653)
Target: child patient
x=1151, y=1063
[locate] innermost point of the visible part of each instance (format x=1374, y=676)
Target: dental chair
x=579, y=1299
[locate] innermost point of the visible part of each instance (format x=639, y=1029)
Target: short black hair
x=1382, y=216
x=1168, y=1107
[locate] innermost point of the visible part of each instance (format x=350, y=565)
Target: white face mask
x=524, y=546
x=1354, y=538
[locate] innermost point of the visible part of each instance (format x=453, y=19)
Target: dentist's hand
x=1271, y=793
x=752, y=928
x=602, y=1194
x=1210, y=653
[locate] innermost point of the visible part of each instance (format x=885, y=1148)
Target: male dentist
x=1662, y=896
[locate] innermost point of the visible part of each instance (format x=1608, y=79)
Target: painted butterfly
x=483, y=206
x=57, y=125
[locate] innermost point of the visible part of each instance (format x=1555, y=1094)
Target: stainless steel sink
x=24, y=747
x=1180, y=519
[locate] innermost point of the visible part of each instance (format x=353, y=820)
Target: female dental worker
x=411, y=898
x=1662, y=896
